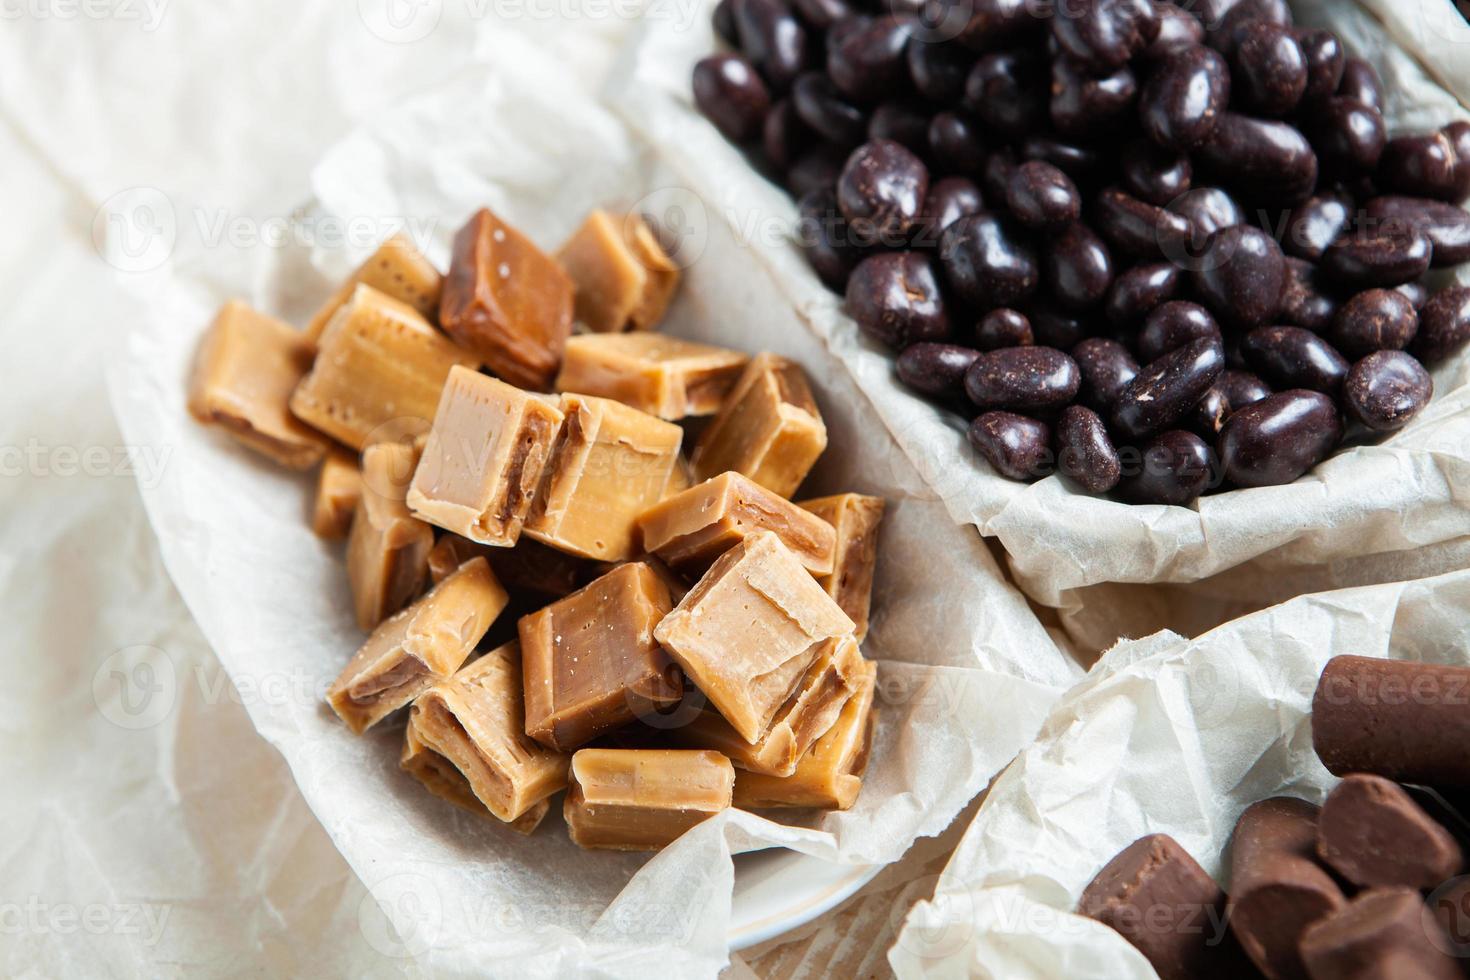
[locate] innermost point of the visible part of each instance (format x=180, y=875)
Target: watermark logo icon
x=136, y=687
x=401, y=916
x=135, y=230
x=400, y=21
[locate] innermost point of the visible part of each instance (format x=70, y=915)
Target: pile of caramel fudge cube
x=559, y=595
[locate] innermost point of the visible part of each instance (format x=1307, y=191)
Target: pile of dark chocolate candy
x=1161, y=249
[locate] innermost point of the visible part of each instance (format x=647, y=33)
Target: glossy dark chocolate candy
x=1374, y=320
x=1085, y=452
x=1166, y=389
x=883, y=187
x=1106, y=367
x=986, y=263
x=730, y=93
x=896, y=300
x=1175, y=467
x=937, y=370
x=1016, y=446
x=1022, y=378
x=1003, y=327
x=1241, y=276
x=1444, y=324
x=1277, y=439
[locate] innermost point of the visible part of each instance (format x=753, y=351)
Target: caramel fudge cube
x=692, y=529
x=768, y=428
x=660, y=375
x=424, y=643
x=475, y=721
x=441, y=778
x=590, y=661
x=247, y=366
x=396, y=269
x=830, y=775
x=387, y=547
x=643, y=799
x=624, y=279
x=507, y=301
x=483, y=458
x=609, y=464
x=749, y=629
x=338, y=490
x=808, y=714
x=377, y=362
x=855, y=518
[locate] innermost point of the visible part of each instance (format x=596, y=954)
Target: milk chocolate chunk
x=749, y=629
x=411, y=650
x=855, y=518
x=768, y=428
x=528, y=567
x=396, y=269
x=590, y=660
x=692, y=529
x=1159, y=899
x=378, y=362
x=444, y=780
x=623, y=278
x=1277, y=887
x=338, y=490
x=1400, y=719
x=1373, y=834
x=507, y=301
x=643, y=799
x=1380, y=935
x=387, y=547
x=660, y=375
x=247, y=366
x=483, y=458
x=830, y=775
x=609, y=464
x=475, y=721
x=805, y=717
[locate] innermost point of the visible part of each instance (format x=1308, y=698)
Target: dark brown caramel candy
x=507, y=302
x=1159, y=899
x=1373, y=834
x=1404, y=720
x=1278, y=887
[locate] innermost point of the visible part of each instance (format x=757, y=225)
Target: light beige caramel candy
x=749, y=629
x=768, y=428
x=609, y=464
x=643, y=799
x=246, y=368
x=679, y=479
x=660, y=375
x=483, y=458
x=830, y=775
x=692, y=529
x=805, y=717
x=378, y=364
x=855, y=518
x=507, y=301
x=623, y=277
x=396, y=269
x=338, y=490
x=591, y=663
x=411, y=650
x=475, y=721
x=441, y=778
x=387, y=547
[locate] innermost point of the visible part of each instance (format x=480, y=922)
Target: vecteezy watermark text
x=148, y=14
x=36, y=917
x=39, y=459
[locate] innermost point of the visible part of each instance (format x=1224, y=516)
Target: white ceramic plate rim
x=778, y=890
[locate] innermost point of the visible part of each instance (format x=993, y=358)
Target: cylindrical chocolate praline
x=1400, y=719
x=1277, y=887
